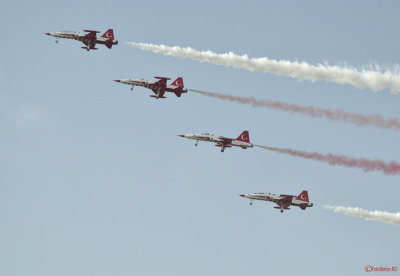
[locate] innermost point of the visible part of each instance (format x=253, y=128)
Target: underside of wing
x=158, y=91
x=92, y=45
x=162, y=81
x=226, y=140
x=286, y=201
x=223, y=145
x=91, y=34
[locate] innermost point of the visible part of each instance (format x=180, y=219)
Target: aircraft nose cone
x=181, y=135
x=117, y=80
x=242, y=195
x=47, y=33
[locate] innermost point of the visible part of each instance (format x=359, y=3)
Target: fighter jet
x=90, y=39
x=158, y=87
x=242, y=141
x=283, y=201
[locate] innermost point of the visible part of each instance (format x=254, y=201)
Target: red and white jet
x=283, y=201
x=158, y=87
x=242, y=141
x=90, y=39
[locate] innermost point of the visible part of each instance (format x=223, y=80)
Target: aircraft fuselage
x=283, y=201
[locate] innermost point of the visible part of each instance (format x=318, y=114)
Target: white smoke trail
x=362, y=78
x=386, y=217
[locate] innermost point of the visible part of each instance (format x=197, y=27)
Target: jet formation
x=283, y=201
x=89, y=38
x=159, y=88
x=243, y=140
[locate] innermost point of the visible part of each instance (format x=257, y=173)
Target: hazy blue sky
x=94, y=180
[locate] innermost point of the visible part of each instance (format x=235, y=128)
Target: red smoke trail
x=366, y=165
x=337, y=115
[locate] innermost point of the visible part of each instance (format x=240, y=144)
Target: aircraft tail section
x=244, y=137
x=109, y=34
x=303, y=196
x=178, y=82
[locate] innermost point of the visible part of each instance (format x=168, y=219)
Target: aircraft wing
x=162, y=80
x=158, y=91
x=92, y=45
x=226, y=140
x=91, y=33
x=285, y=201
x=223, y=145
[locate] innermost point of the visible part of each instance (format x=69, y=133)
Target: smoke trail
x=386, y=217
x=366, y=165
x=336, y=115
x=362, y=79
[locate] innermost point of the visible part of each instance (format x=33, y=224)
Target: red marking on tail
x=178, y=82
x=109, y=34
x=303, y=196
x=244, y=137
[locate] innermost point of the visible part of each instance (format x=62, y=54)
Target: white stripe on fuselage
x=137, y=82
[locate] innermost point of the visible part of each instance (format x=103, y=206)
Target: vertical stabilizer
x=244, y=137
x=303, y=196
x=109, y=34
x=178, y=82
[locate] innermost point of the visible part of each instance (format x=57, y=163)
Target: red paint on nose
x=47, y=33
x=181, y=135
x=242, y=195
x=117, y=80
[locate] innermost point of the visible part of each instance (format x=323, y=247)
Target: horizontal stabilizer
x=109, y=44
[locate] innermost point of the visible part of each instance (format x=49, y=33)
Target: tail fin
x=109, y=34
x=303, y=196
x=244, y=137
x=178, y=82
